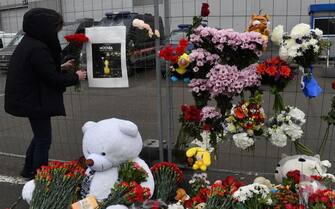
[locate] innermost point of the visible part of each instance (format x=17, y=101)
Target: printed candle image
x=107, y=60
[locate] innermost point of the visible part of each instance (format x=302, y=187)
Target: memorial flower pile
x=222, y=67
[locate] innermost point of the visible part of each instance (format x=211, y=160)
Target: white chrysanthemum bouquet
x=287, y=125
x=302, y=46
x=253, y=196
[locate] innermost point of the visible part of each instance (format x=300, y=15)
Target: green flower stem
x=303, y=149
x=278, y=104
x=324, y=141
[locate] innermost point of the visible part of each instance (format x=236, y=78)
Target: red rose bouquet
x=167, y=177
x=276, y=73
x=57, y=185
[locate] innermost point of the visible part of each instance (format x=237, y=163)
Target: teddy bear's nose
x=89, y=162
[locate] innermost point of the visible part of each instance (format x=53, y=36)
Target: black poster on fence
x=106, y=60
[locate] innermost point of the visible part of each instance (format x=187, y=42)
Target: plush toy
x=181, y=195
x=179, y=70
x=202, y=158
x=307, y=165
x=264, y=181
x=260, y=23
x=106, y=145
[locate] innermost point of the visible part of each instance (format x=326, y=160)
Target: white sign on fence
x=106, y=57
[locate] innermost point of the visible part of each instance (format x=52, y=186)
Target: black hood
x=43, y=24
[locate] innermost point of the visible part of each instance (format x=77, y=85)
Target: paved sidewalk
x=10, y=184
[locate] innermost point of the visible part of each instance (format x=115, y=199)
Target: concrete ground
x=138, y=103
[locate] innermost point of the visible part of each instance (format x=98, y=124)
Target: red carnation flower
x=77, y=38
x=205, y=10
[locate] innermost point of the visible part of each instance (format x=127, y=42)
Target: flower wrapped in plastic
x=57, y=185
x=302, y=47
x=167, y=177
x=253, y=196
x=245, y=122
x=287, y=125
x=277, y=74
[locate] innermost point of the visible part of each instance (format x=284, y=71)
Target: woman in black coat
x=36, y=82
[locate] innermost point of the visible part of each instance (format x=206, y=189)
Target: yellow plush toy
x=202, y=158
x=259, y=23
x=180, y=71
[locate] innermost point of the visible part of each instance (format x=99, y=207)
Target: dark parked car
x=140, y=47
x=77, y=26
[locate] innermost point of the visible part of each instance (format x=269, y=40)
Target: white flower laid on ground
x=253, y=194
x=286, y=125
x=243, y=141
x=140, y=24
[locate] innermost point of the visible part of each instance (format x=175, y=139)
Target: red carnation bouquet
x=276, y=73
x=167, y=177
x=77, y=41
x=57, y=185
x=78, y=38
x=219, y=195
x=132, y=171
x=322, y=199
x=125, y=193
x=191, y=126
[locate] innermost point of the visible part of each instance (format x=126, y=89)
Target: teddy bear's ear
x=317, y=156
x=283, y=155
x=266, y=16
x=87, y=125
x=128, y=128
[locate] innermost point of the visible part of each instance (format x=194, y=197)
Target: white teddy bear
x=308, y=165
x=106, y=145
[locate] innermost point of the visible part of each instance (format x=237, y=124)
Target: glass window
x=326, y=24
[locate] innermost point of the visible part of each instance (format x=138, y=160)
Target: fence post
x=158, y=85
